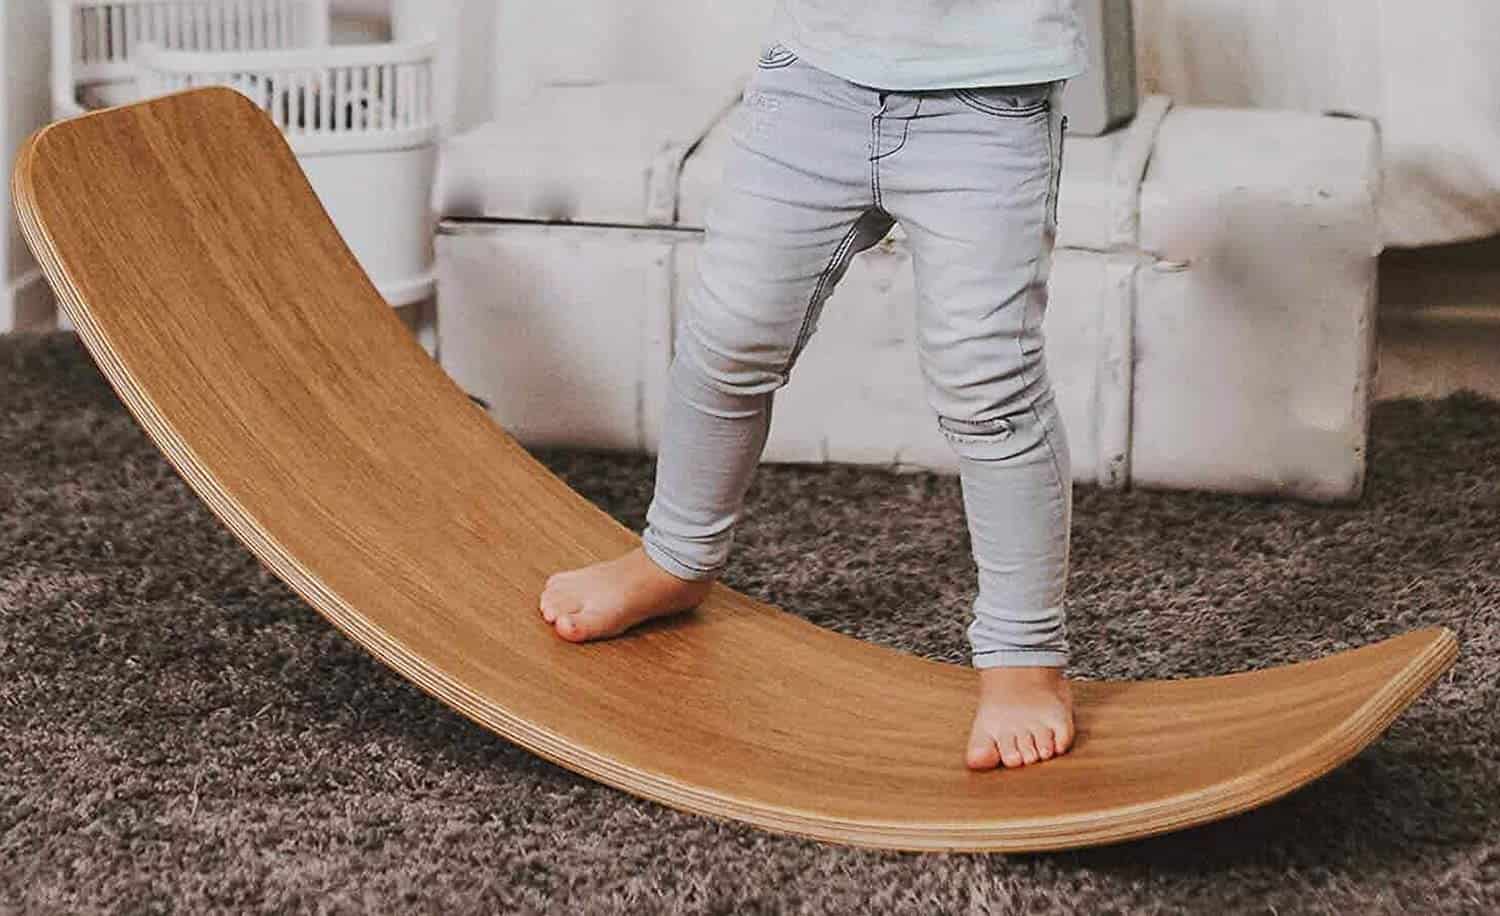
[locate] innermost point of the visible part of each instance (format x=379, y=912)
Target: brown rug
x=179, y=732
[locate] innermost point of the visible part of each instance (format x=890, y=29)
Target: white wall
x=503, y=48
x=467, y=67
x=362, y=21
x=1428, y=71
x=26, y=301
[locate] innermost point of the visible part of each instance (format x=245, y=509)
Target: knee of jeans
x=726, y=372
x=996, y=438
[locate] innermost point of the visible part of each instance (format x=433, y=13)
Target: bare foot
x=1025, y=715
x=606, y=599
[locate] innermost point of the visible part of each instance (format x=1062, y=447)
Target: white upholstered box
x=1210, y=327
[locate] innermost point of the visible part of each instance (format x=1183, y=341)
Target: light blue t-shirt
x=935, y=44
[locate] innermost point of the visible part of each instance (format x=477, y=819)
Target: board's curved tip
x=218, y=299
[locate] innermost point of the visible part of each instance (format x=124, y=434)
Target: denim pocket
x=1007, y=101
x=776, y=56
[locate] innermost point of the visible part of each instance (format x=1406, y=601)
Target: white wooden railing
x=325, y=99
x=94, y=41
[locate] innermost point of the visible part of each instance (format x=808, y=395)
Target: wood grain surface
x=209, y=284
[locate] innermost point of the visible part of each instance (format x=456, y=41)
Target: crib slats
x=363, y=107
x=257, y=28
x=293, y=83
x=403, y=109
x=345, y=115
x=106, y=32
x=114, y=30
x=424, y=93
x=388, y=93
x=305, y=119
x=243, y=13
x=326, y=101
x=101, y=41
x=307, y=98
x=374, y=106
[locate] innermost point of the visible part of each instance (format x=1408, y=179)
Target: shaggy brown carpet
x=180, y=732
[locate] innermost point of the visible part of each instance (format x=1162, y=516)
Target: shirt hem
x=969, y=73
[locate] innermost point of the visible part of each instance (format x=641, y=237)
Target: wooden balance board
x=209, y=284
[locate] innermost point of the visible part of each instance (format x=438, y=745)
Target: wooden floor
x=219, y=300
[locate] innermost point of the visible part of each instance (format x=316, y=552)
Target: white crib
x=360, y=119
x=94, y=41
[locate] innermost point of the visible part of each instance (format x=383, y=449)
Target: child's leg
x=975, y=190
x=795, y=204
x=974, y=184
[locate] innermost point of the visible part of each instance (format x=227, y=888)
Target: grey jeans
x=820, y=169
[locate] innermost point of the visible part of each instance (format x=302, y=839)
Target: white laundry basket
x=93, y=41
x=360, y=119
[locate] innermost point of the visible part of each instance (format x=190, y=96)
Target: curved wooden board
x=221, y=303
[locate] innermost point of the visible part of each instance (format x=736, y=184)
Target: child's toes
x=1042, y=738
x=1027, y=746
x=982, y=753
x=1009, y=752
x=572, y=627
x=555, y=603
x=1062, y=736
x=590, y=623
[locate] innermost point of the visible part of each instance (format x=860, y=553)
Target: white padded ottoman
x=1210, y=327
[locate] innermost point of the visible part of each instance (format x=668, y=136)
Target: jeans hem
x=1019, y=658
x=675, y=566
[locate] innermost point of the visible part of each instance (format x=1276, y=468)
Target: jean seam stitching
x=1056, y=189
x=905, y=132
x=812, y=302
x=1052, y=168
